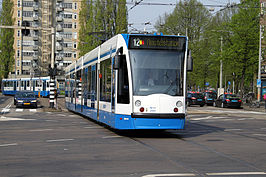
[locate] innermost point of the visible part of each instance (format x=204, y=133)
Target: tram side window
x=93, y=82
x=89, y=82
x=105, y=81
x=85, y=84
x=123, y=86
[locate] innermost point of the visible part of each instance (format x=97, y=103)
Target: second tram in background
x=132, y=82
x=40, y=85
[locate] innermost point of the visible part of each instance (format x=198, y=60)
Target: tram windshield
x=157, y=72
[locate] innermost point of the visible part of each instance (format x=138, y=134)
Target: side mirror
x=117, y=60
x=189, y=62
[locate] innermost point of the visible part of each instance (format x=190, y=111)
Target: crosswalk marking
x=7, y=110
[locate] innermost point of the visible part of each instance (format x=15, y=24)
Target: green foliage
x=241, y=53
x=100, y=20
x=231, y=36
x=6, y=39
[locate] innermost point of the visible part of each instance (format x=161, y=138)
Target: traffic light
x=25, y=31
x=52, y=71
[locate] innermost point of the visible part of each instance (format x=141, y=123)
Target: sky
x=141, y=14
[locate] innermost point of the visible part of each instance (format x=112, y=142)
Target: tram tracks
x=175, y=138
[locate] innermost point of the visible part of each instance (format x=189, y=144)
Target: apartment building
x=33, y=47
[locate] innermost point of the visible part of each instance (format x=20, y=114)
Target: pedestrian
x=264, y=97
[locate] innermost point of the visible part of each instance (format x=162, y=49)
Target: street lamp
x=259, y=69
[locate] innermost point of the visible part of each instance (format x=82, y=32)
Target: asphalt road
x=216, y=142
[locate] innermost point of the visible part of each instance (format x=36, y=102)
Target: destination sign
x=157, y=42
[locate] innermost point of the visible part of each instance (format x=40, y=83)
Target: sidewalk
x=261, y=107
x=45, y=104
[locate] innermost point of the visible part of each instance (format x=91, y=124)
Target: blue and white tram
x=131, y=82
x=40, y=85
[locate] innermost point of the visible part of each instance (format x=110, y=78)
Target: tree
x=242, y=53
x=191, y=18
x=6, y=39
x=121, y=17
x=100, y=20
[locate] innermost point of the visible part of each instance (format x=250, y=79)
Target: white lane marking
x=259, y=134
x=51, y=120
x=92, y=127
x=6, y=145
x=177, y=174
x=116, y=136
x=59, y=140
x=33, y=110
x=12, y=119
x=209, y=117
x=236, y=173
x=40, y=130
x=19, y=110
x=5, y=110
x=227, y=130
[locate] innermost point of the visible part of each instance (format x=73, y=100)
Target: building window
x=28, y=14
x=17, y=72
x=68, y=55
x=75, y=6
x=18, y=3
x=18, y=33
x=75, y=55
x=75, y=25
x=67, y=5
x=75, y=35
x=18, y=13
x=75, y=16
x=18, y=53
x=18, y=43
x=18, y=62
x=67, y=25
x=68, y=16
x=18, y=22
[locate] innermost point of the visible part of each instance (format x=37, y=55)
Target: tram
x=40, y=85
x=132, y=81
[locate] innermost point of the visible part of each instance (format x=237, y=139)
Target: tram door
x=15, y=85
x=114, y=80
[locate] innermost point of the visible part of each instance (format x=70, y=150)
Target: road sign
x=229, y=83
x=207, y=83
x=258, y=83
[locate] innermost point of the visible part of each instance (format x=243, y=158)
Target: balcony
x=59, y=48
x=35, y=7
x=59, y=0
x=35, y=18
x=35, y=38
x=58, y=58
x=35, y=57
x=59, y=9
x=59, y=19
x=59, y=28
x=35, y=47
x=59, y=38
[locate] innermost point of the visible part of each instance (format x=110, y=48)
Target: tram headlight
x=179, y=104
x=137, y=103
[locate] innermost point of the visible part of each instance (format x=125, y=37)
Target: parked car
x=228, y=100
x=25, y=98
x=210, y=98
x=195, y=98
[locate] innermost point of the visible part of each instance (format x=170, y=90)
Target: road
x=216, y=142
